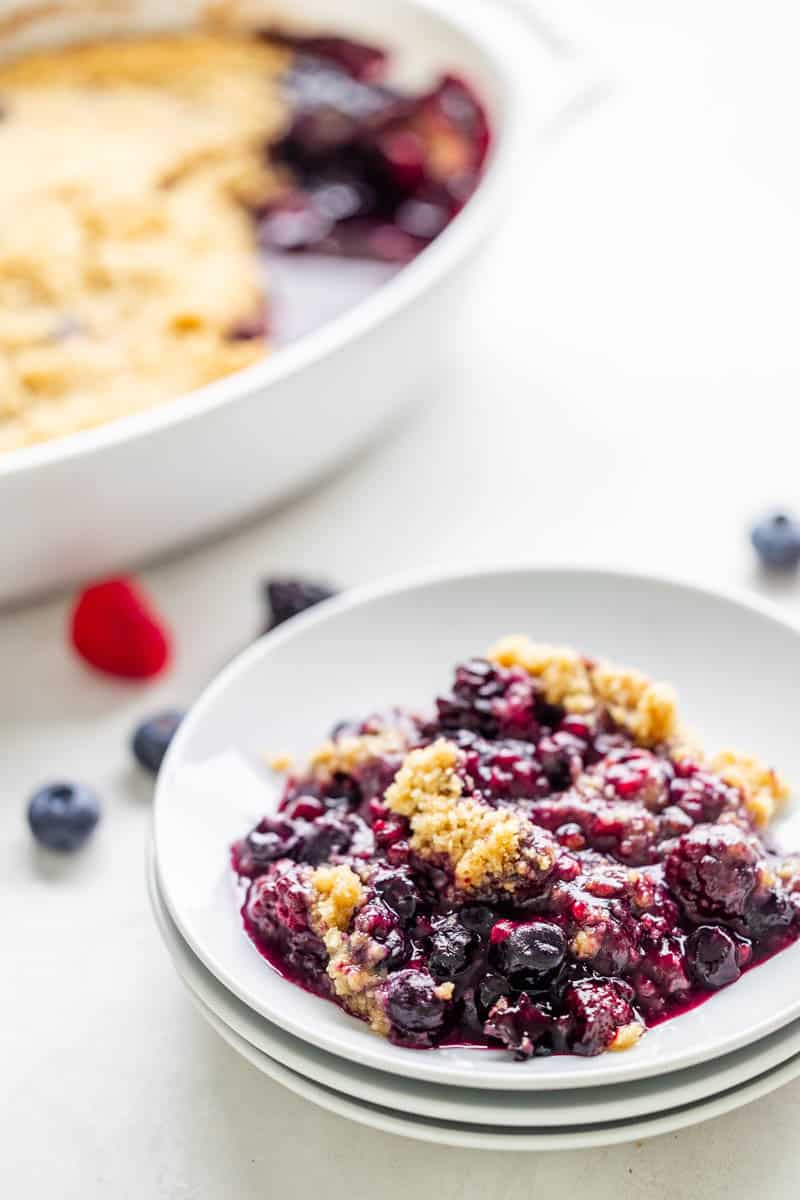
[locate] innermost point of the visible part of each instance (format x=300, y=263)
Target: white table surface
x=627, y=392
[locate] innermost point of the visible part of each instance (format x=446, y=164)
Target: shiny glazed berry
x=382, y=926
x=412, y=1004
x=151, y=739
x=530, y=949
x=450, y=949
x=598, y=1009
x=62, y=816
x=398, y=891
x=713, y=871
x=712, y=957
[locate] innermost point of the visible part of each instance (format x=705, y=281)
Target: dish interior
x=161, y=175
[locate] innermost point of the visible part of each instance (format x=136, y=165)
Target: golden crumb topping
x=427, y=774
x=280, y=763
x=338, y=892
x=357, y=986
x=486, y=847
x=563, y=673
x=627, y=1036
x=763, y=789
x=343, y=755
x=647, y=710
x=127, y=254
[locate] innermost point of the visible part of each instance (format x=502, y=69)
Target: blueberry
x=712, y=958
x=63, y=815
x=477, y=919
x=398, y=891
x=412, y=1004
x=152, y=738
x=381, y=924
x=489, y=991
x=451, y=949
x=288, y=597
x=534, y=948
x=776, y=539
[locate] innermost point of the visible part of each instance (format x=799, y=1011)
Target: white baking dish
x=104, y=499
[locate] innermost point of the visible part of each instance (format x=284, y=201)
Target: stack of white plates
x=399, y=643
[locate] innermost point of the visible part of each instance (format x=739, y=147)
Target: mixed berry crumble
x=545, y=863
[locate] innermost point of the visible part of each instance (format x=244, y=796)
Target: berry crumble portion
x=545, y=862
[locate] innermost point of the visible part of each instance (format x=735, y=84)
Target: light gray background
x=627, y=392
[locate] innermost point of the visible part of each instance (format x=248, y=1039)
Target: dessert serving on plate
x=547, y=862
x=146, y=177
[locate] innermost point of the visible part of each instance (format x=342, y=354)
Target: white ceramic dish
x=476, y=1137
x=398, y=643
x=467, y=1105
x=194, y=465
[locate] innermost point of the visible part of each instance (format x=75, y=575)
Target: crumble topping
x=357, y=986
x=486, y=847
x=338, y=893
x=647, y=710
x=126, y=255
x=627, y=1036
x=563, y=673
x=344, y=755
x=764, y=790
x=354, y=959
x=280, y=763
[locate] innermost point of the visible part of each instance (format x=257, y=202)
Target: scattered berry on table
x=151, y=739
x=115, y=630
x=288, y=597
x=776, y=540
x=62, y=816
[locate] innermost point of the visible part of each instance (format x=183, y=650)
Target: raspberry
x=113, y=628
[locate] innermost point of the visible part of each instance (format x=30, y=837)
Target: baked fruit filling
x=146, y=179
x=546, y=863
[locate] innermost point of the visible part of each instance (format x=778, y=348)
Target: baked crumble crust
x=338, y=892
x=357, y=986
x=647, y=710
x=764, y=790
x=627, y=1036
x=354, y=959
x=487, y=848
x=126, y=254
x=345, y=754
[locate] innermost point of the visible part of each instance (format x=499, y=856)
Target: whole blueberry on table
x=776, y=539
x=62, y=816
x=151, y=739
x=288, y=597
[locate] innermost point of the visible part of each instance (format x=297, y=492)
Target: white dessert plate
x=734, y=661
x=468, y=1105
x=477, y=1137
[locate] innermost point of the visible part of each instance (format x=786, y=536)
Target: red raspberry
x=113, y=629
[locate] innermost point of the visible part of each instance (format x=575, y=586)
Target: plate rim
x=481, y=1138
